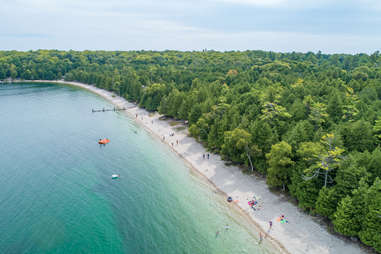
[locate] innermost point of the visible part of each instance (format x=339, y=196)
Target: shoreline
x=301, y=235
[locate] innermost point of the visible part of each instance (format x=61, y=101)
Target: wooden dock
x=108, y=109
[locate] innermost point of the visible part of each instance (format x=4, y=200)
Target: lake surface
x=57, y=195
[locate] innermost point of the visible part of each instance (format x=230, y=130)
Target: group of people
x=207, y=155
x=282, y=219
x=253, y=203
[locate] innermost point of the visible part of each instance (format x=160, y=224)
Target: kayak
x=103, y=141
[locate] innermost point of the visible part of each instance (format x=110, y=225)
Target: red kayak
x=103, y=141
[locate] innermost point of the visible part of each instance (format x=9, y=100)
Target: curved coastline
x=301, y=235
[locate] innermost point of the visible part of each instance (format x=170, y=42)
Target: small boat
x=103, y=141
x=115, y=176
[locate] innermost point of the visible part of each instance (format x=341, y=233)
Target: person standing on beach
x=208, y=156
x=260, y=238
x=203, y=155
x=177, y=142
x=271, y=224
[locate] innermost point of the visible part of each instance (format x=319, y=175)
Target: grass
x=174, y=123
x=180, y=128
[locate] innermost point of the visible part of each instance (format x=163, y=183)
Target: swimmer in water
x=260, y=238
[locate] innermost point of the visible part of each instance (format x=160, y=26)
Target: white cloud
x=139, y=32
x=266, y=3
x=295, y=4
x=168, y=24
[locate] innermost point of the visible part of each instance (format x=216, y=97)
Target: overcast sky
x=336, y=26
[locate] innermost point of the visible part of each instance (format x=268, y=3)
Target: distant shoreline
x=301, y=235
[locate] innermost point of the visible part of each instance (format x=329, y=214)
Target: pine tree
x=235, y=144
x=344, y=220
x=334, y=107
x=306, y=192
x=302, y=132
x=348, y=177
x=377, y=128
x=327, y=202
x=371, y=226
x=374, y=166
x=351, y=210
x=298, y=110
x=279, y=160
x=195, y=113
x=358, y=136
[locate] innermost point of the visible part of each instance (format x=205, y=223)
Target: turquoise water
x=57, y=195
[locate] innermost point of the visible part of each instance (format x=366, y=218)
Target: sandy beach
x=302, y=234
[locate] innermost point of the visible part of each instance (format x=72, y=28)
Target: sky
x=336, y=26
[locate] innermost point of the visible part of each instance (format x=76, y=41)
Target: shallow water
x=57, y=195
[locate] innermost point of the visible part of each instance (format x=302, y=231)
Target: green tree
x=347, y=179
x=195, y=113
x=377, y=129
x=318, y=114
x=235, y=144
x=374, y=164
x=358, y=136
x=280, y=162
x=13, y=71
x=326, y=202
x=272, y=111
x=371, y=225
x=302, y=132
x=200, y=129
x=263, y=137
x=152, y=96
x=306, y=192
x=344, y=218
x=298, y=110
x=350, y=110
x=351, y=210
x=334, y=107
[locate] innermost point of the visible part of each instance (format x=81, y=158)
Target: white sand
x=301, y=235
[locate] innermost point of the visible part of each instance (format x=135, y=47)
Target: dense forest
x=310, y=122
